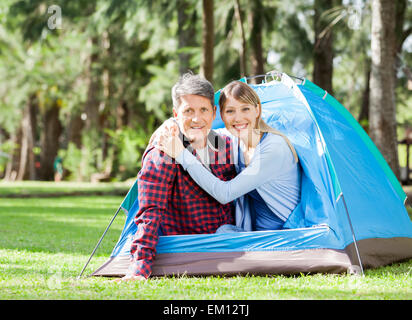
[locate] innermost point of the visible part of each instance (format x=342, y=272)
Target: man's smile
x=197, y=127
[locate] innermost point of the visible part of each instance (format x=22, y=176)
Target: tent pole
x=353, y=235
x=98, y=243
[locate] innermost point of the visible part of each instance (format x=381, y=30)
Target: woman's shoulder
x=273, y=139
x=275, y=145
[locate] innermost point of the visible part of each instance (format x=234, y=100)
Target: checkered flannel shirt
x=171, y=201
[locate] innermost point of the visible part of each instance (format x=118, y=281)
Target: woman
x=267, y=187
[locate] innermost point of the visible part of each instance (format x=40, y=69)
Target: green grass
x=48, y=188
x=44, y=243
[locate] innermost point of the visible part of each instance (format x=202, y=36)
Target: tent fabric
x=350, y=201
x=237, y=263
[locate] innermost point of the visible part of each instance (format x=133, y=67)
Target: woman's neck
x=249, y=145
x=252, y=140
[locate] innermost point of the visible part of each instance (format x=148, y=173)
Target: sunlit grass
x=53, y=276
x=45, y=242
x=30, y=188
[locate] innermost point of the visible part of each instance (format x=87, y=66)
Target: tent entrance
x=256, y=252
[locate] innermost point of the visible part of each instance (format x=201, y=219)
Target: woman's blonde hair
x=244, y=93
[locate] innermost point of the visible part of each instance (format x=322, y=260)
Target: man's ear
x=174, y=112
x=214, y=112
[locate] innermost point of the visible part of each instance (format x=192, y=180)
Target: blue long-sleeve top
x=272, y=172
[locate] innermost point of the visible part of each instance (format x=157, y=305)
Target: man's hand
x=171, y=144
x=166, y=127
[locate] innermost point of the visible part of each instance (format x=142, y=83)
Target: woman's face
x=240, y=118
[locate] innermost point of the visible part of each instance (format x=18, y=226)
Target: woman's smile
x=240, y=126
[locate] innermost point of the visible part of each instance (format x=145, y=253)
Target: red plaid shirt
x=169, y=199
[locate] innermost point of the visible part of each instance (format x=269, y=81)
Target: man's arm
x=155, y=181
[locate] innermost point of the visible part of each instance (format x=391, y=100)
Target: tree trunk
x=27, y=168
x=105, y=138
x=363, y=117
x=186, y=32
x=23, y=147
x=74, y=130
x=323, y=48
x=122, y=115
x=382, y=113
x=13, y=164
x=91, y=134
x=33, y=136
x=401, y=34
x=93, y=79
x=256, y=18
x=105, y=103
x=4, y=136
x=208, y=41
x=122, y=119
x=52, y=130
x=242, y=53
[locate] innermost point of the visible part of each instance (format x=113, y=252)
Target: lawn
x=45, y=241
x=21, y=189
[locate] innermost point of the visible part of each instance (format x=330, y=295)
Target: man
x=170, y=202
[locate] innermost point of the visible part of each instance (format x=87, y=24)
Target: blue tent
x=351, y=215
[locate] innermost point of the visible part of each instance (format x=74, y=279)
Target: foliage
x=131, y=144
x=74, y=163
x=6, y=149
x=113, y=63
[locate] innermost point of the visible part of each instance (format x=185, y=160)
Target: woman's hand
x=170, y=143
x=163, y=130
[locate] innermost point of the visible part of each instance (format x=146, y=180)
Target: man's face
x=195, y=116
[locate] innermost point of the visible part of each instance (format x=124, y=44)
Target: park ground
x=48, y=230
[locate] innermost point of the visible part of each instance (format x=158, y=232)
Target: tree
x=256, y=16
x=323, y=52
x=29, y=125
x=186, y=32
x=382, y=110
x=52, y=129
x=104, y=79
x=208, y=40
x=242, y=51
x=402, y=31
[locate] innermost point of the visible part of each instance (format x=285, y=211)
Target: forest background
x=88, y=81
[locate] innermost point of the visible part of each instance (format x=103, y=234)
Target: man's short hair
x=190, y=83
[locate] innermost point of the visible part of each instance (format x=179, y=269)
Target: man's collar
x=215, y=141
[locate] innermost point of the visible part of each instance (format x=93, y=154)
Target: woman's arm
x=265, y=165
